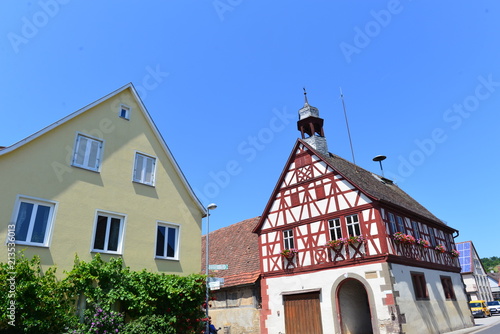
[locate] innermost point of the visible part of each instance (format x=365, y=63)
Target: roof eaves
x=93, y=104
x=62, y=121
x=168, y=152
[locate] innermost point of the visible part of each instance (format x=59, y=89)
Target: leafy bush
x=152, y=324
x=151, y=302
x=40, y=300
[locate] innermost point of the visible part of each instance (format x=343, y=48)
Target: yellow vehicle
x=479, y=309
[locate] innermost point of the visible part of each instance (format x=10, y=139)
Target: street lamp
x=207, y=249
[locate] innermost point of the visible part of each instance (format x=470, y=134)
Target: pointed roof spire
x=307, y=110
x=310, y=126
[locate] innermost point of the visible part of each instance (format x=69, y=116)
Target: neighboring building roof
x=6, y=150
x=372, y=185
x=237, y=247
x=494, y=281
x=495, y=276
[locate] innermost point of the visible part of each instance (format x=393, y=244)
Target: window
x=124, y=112
x=392, y=223
x=433, y=237
x=449, y=293
x=87, y=153
x=335, y=229
x=34, y=220
x=419, y=285
x=144, y=169
x=353, y=228
x=288, y=239
x=167, y=241
x=416, y=230
x=108, y=233
x=401, y=224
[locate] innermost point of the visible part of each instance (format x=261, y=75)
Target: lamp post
x=207, y=249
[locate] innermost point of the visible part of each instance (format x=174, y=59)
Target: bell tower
x=310, y=126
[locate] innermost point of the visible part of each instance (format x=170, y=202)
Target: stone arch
x=353, y=305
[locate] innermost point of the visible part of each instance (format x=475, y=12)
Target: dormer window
x=124, y=112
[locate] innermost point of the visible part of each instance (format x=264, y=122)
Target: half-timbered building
x=344, y=250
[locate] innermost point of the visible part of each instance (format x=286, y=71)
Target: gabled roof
x=494, y=278
x=143, y=109
x=236, y=246
x=372, y=185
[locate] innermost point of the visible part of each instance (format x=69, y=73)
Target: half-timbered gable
x=347, y=251
x=308, y=197
x=319, y=199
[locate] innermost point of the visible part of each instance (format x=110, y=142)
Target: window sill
x=31, y=244
x=144, y=184
x=105, y=252
x=166, y=258
x=87, y=169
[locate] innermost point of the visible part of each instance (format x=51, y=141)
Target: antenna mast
x=347, y=124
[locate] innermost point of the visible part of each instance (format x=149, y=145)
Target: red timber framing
x=309, y=194
x=415, y=254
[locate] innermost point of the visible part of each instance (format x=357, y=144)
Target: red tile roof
x=236, y=246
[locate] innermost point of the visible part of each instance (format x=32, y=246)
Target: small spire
x=305, y=95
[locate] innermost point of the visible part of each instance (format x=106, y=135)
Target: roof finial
x=305, y=95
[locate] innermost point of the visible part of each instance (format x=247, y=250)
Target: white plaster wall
x=323, y=280
x=436, y=315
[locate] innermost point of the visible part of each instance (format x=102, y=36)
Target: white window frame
x=401, y=224
x=85, y=165
x=177, y=229
x=127, y=109
x=143, y=172
x=393, y=228
x=121, y=234
x=288, y=241
x=335, y=228
x=49, y=224
x=353, y=225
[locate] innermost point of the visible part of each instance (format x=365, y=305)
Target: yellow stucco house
x=101, y=180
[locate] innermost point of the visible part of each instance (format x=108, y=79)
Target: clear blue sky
x=223, y=81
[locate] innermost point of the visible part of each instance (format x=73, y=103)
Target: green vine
x=135, y=301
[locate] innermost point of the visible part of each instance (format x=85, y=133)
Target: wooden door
x=303, y=314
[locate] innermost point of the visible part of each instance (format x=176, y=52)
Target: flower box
x=454, y=253
x=335, y=243
x=423, y=243
x=440, y=249
x=355, y=240
x=289, y=253
x=402, y=238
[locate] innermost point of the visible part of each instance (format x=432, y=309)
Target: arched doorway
x=354, y=308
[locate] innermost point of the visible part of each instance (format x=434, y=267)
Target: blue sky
x=223, y=82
